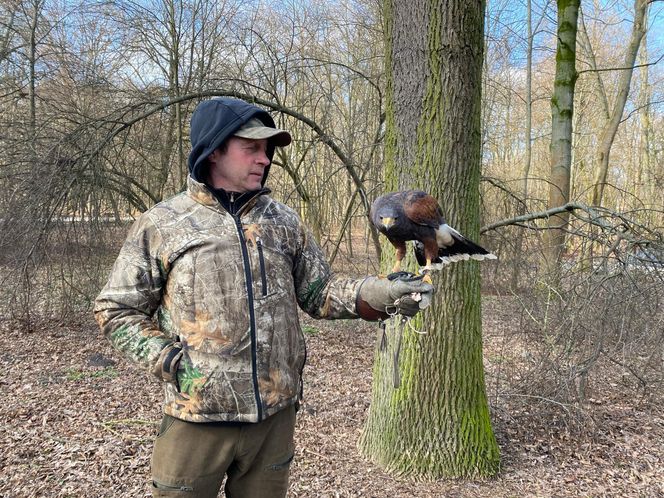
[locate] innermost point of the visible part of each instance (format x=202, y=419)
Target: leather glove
x=401, y=293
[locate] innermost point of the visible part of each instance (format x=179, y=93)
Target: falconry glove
x=400, y=293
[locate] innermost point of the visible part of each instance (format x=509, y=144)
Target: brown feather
x=423, y=210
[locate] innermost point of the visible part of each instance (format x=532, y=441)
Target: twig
x=641, y=380
x=128, y=421
x=541, y=398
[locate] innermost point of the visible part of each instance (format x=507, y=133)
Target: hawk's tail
x=461, y=249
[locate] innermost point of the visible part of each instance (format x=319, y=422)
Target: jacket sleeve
x=320, y=293
x=125, y=307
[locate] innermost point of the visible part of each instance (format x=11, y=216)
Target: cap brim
x=278, y=137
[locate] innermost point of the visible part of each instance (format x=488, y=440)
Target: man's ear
x=214, y=156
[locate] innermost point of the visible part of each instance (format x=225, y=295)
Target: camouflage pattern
x=224, y=289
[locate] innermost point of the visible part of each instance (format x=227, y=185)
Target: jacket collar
x=204, y=195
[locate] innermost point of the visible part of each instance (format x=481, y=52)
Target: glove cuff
x=364, y=309
x=366, y=312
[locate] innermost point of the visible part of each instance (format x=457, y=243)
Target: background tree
x=436, y=423
x=614, y=116
x=562, y=113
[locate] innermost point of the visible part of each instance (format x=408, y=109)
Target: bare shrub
x=595, y=328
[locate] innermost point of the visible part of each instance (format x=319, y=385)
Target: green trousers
x=191, y=460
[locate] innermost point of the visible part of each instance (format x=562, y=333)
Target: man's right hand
x=166, y=367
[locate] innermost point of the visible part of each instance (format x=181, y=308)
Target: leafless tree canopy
x=95, y=101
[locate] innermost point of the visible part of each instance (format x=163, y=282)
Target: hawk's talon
x=424, y=273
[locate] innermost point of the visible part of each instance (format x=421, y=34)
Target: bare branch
x=611, y=222
x=621, y=68
x=569, y=207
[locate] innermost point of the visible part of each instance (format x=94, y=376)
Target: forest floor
x=78, y=420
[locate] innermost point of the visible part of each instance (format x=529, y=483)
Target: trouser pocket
x=166, y=423
x=275, y=467
x=170, y=487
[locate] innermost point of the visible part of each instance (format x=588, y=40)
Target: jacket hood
x=213, y=122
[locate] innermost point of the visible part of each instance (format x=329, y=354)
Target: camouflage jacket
x=224, y=291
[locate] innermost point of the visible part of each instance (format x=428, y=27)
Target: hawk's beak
x=387, y=222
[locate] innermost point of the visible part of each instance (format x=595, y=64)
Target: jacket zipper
x=252, y=315
x=250, y=295
x=304, y=363
x=261, y=261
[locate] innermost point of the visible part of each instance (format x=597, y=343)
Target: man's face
x=241, y=166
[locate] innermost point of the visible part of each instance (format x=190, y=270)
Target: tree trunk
x=562, y=111
x=587, y=46
x=610, y=129
x=32, y=77
x=436, y=423
x=529, y=107
x=644, y=179
x=527, y=160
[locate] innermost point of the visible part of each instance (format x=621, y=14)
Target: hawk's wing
x=423, y=209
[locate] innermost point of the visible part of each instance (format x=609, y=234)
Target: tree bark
x=436, y=423
x=562, y=111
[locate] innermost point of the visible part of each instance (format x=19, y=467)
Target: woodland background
x=95, y=100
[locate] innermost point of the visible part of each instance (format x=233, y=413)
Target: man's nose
x=263, y=159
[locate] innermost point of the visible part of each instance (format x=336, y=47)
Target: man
x=204, y=294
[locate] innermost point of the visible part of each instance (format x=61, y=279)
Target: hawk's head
x=385, y=216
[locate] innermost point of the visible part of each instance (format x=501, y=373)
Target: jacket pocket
x=261, y=264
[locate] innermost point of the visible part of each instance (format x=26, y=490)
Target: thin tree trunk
x=644, y=178
x=592, y=60
x=610, y=129
x=32, y=83
x=527, y=160
x=529, y=106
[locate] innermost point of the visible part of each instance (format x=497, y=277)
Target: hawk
x=415, y=215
